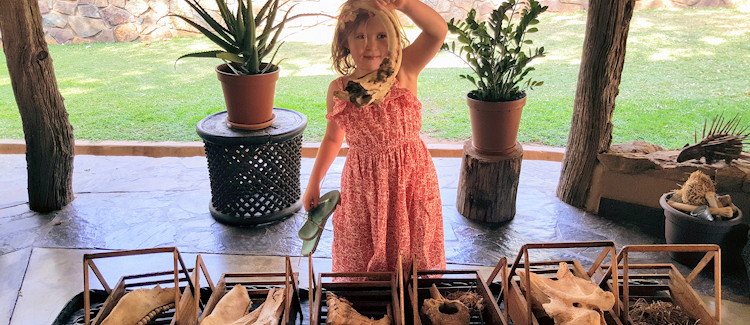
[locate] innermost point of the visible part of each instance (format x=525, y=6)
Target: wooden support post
x=488, y=184
x=48, y=133
x=598, y=81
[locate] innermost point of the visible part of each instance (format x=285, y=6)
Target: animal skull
x=569, y=300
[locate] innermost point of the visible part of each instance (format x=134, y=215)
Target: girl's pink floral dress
x=390, y=198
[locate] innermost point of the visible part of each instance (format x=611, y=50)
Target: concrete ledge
x=191, y=149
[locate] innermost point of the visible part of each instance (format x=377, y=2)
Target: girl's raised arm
x=428, y=43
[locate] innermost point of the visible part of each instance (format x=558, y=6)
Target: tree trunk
x=48, y=133
x=598, y=81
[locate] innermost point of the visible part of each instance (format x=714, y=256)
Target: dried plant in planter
x=699, y=191
x=658, y=313
x=724, y=141
x=695, y=188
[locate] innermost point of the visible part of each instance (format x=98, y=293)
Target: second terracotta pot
x=494, y=125
x=249, y=99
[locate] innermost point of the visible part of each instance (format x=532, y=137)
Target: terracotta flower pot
x=494, y=125
x=249, y=99
x=682, y=228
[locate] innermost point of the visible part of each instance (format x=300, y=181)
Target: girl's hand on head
x=311, y=197
x=390, y=4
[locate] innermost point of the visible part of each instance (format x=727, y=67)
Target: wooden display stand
x=488, y=184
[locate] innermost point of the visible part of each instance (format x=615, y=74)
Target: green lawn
x=682, y=67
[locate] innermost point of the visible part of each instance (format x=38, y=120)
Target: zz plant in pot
x=246, y=41
x=499, y=52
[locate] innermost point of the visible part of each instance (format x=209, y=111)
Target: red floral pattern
x=390, y=198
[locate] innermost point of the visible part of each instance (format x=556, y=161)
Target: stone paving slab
x=13, y=266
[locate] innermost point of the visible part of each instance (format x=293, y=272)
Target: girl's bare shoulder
x=337, y=84
x=333, y=86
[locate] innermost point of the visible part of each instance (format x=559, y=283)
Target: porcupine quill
x=724, y=141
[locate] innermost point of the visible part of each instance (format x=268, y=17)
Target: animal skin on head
x=372, y=88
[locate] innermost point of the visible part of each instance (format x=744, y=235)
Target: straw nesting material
x=658, y=313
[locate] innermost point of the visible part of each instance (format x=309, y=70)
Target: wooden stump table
x=488, y=184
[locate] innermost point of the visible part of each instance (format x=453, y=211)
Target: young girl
x=390, y=199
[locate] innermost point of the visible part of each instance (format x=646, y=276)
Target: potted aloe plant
x=499, y=52
x=246, y=40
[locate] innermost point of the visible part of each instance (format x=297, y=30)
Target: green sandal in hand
x=312, y=230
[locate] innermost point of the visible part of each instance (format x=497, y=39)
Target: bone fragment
x=231, y=307
x=725, y=212
x=724, y=200
x=341, y=312
x=469, y=298
x=268, y=313
x=442, y=311
x=137, y=305
x=711, y=199
x=571, y=300
x=249, y=318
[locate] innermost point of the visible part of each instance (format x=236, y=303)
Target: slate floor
x=140, y=202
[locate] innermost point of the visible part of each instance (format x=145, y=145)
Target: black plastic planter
x=682, y=228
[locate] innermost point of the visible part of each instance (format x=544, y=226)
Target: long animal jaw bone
x=341, y=312
x=442, y=311
x=140, y=306
x=231, y=307
x=372, y=88
x=569, y=300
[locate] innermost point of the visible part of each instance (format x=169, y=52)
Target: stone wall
x=87, y=21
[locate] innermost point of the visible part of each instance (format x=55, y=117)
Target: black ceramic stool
x=255, y=175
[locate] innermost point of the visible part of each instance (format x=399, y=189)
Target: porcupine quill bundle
x=724, y=141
